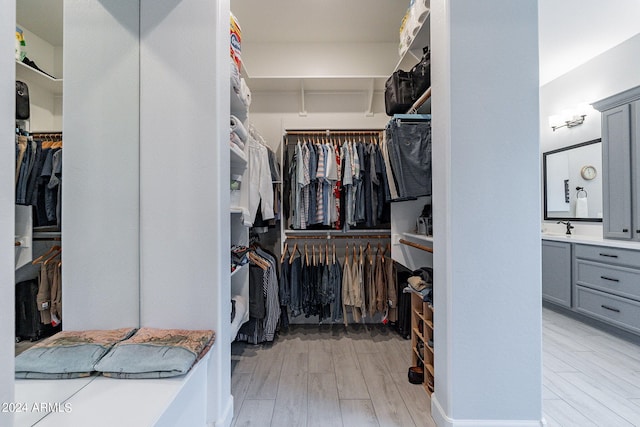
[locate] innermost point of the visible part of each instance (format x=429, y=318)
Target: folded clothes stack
x=118, y=353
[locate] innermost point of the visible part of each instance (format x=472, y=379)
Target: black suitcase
x=28, y=324
x=404, y=303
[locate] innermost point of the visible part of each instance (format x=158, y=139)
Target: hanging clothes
x=337, y=186
x=264, y=300
x=260, y=188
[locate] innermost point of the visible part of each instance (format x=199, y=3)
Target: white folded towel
x=235, y=78
x=245, y=93
x=238, y=128
x=582, y=207
x=236, y=140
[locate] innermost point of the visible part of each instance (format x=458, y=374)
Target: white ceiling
x=571, y=31
x=42, y=17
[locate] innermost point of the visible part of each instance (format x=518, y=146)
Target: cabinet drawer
x=622, y=281
x=609, y=308
x=608, y=255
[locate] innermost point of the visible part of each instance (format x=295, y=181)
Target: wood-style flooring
x=329, y=376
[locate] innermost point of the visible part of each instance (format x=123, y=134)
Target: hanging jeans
x=410, y=155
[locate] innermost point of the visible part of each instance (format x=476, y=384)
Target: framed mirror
x=573, y=182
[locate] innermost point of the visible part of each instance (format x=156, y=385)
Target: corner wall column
x=486, y=167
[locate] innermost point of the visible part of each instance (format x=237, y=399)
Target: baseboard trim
x=225, y=419
x=443, y=420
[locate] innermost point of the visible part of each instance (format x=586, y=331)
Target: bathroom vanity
x=595, y=277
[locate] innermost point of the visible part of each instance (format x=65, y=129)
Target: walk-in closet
x=297, y=213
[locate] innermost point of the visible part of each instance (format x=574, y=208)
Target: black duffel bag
x=22, y=100
x=398, y=93
x=421, y=74
x=404, y=88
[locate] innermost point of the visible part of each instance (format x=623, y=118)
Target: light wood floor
x=326, y=376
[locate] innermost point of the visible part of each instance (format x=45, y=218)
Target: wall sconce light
x=569, y=117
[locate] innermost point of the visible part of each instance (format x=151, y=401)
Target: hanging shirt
x=260, y=188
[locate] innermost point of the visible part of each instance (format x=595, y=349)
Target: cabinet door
x=635, y=167
x=616, y=176
x=556, y=272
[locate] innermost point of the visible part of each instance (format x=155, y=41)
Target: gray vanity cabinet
x=616, y=178
x=556, y=272
x=607, y=285
x=621, y=164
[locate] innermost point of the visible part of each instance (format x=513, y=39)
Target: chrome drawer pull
x=609, y=279
x=610, y=256
x=610, y=308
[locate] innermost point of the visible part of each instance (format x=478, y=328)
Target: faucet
x=569, y=226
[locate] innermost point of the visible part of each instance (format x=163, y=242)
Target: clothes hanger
x=306, y=254
x=46, y=255
x=284, y=252
x=259, y=261
x=313, y=251
x=293, y=252
x=346, y=253
x=326, y=253
x=334, y=253
x=53, y=256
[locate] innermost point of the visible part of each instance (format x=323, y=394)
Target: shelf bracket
x=369, y=112
x=303, y=110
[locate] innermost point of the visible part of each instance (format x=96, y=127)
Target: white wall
x=184, y=178
x=320, y=59
x=7, y=203
x=612, y=72
x=100, y=279
x=488, y=359
x=272, y=125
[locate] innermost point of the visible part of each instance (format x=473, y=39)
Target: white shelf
x=24, y=72
x=413, y=55
x=236, y=210
x=238, y=269
x=421, y=237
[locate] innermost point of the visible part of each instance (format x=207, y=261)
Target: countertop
x=591, y=240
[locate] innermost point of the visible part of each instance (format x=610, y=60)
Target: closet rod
x=416, y=245
x=329, y=237
x=423, y=98
x=332, y=132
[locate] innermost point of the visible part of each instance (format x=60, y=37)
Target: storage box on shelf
x=422, y=338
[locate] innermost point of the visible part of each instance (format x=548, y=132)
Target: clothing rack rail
x=423, y=98
x=416, y=245
x=329, y=237
x=45, y=134
x=330, y=132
